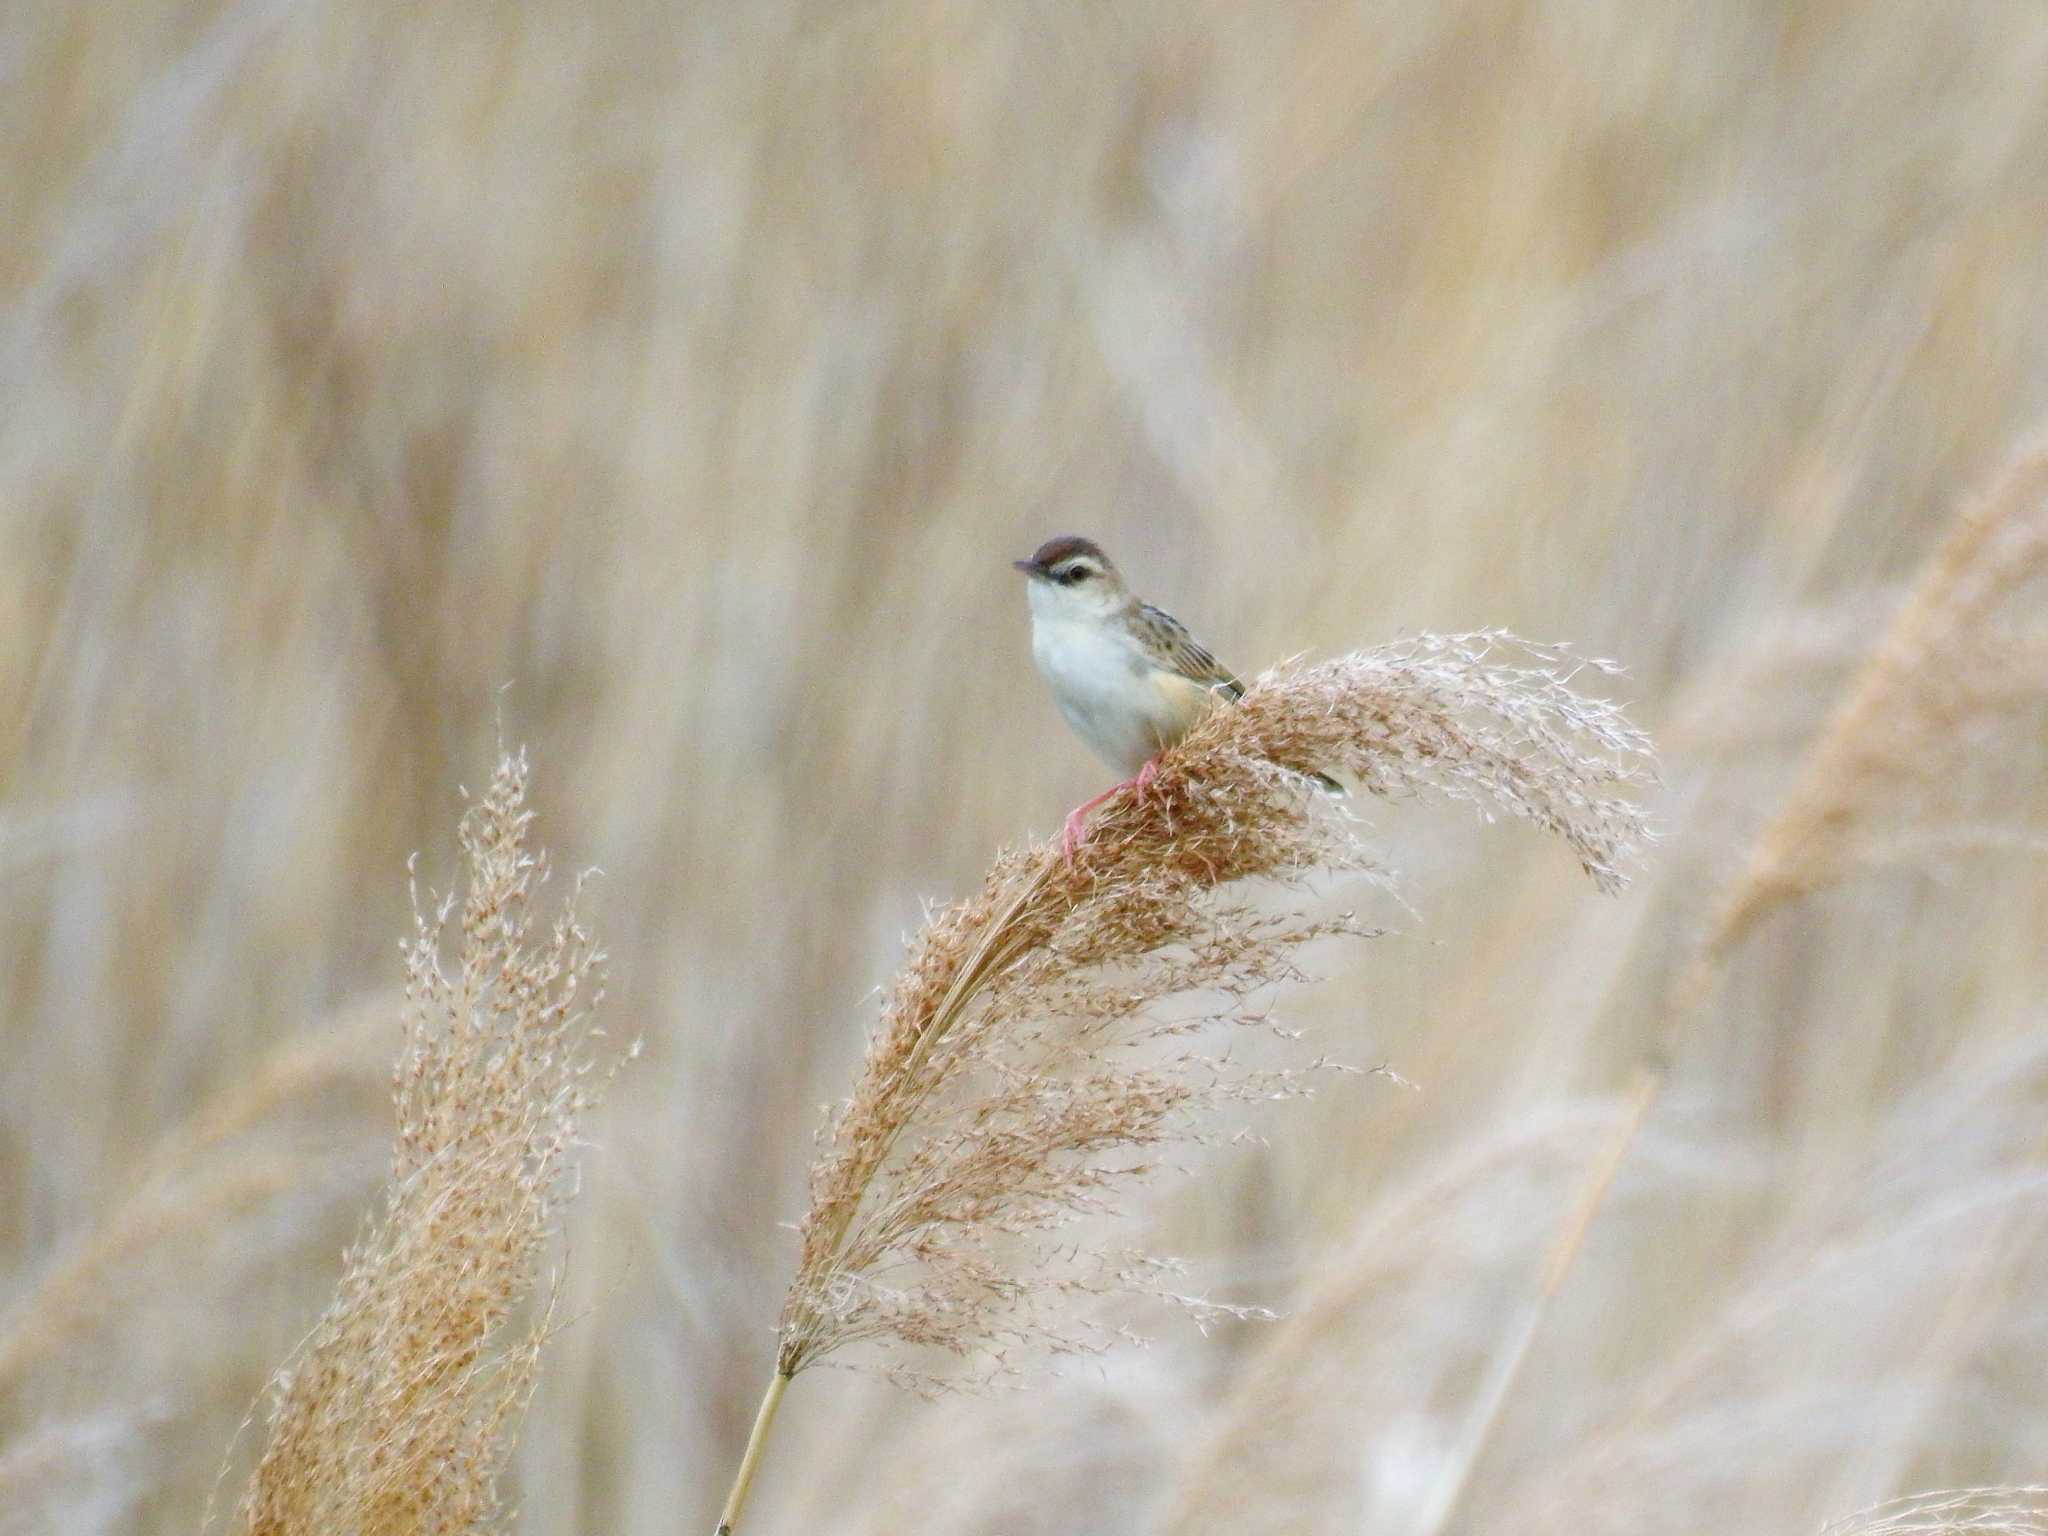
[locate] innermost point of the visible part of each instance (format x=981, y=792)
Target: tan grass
x=1325, y=1368
x=1812, y=1353
x=698, y=368
x=80, y=1291
x=1832, y=1325
x=78, y=1476
x=398, y=1412
x=1928, y=696
x=1930, y=690
x=166, y=1200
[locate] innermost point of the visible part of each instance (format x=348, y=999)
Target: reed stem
x=743, y=1480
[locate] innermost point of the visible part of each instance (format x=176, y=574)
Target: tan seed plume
x=1024, y=1071
x=397, y=1414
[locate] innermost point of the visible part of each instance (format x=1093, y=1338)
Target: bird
x=1127, y=676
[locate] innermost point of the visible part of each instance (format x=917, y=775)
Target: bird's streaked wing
x=1167, y=640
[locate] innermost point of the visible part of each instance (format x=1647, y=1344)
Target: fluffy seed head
x=1023, y=1071
x=396, y=1415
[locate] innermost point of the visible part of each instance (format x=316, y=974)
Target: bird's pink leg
x=1072, y=834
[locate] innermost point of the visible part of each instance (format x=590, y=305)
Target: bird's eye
x=1072, y=574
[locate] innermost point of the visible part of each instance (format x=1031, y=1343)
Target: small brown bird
x=1129, y=678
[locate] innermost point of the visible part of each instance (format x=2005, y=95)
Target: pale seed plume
x=1934, y=687
x=1025, y=1072
x=398, y=1412
x=1022, y=1072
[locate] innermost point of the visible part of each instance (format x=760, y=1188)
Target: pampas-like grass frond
x=1024, y=1069
x=1936, y=685
x=1036, y=995
x=396, y=1414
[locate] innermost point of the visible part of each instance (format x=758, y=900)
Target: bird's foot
x=1075, y=832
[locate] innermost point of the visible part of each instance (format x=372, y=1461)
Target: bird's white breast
x=1111, y=693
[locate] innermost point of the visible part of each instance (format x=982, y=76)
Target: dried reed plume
x=1024, y=1068
x=1942, y=673
x=397, y=1413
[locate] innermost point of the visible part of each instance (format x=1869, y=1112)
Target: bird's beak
x=1029, y=567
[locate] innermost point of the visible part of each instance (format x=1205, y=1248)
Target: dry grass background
x=695, y=372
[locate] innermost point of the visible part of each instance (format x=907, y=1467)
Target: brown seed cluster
x=1024, y=1067
x=397, y=1413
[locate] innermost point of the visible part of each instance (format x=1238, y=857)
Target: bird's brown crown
x=1065, y=547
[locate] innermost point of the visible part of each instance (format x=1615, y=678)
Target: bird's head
x=1071, y=577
